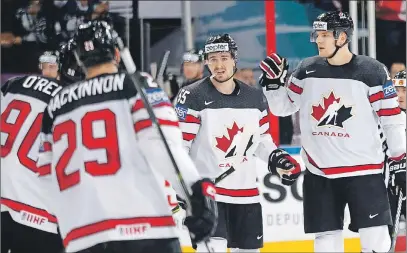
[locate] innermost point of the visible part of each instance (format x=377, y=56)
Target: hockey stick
x=245, y=139
x=160, y=74
x=131, y=70
x=396, y=223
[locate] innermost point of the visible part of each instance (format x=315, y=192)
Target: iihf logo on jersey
x=331, y=112
x=227, y=143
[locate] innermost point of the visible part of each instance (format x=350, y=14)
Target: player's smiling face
x=326, y=43
x=221, y=65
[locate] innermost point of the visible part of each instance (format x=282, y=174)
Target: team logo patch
x=181, y=112
x=227, y=144
x=388, y=89
x=156, y=96
x=331, y=112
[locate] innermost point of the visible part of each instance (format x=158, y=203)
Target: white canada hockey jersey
x=340, y=110
x=386, y=152
x=210, y=122
x=22, y=194
x=102, y=157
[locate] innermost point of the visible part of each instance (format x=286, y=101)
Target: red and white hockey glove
x=397, y=171
x=204, y=219
x=283, y=165
x=274, y=74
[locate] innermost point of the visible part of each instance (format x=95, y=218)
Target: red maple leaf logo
x=319, y=111
x=223, y=143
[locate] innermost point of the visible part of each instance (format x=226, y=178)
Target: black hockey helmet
x=69, y=70
x=220, y=43
x=335, y=21
x=51, y=57
x=96, y=42
x=399, y=79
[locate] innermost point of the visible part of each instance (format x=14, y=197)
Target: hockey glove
x=283, y=165
x=204, y=219
x=397, y=171
x=274, y=69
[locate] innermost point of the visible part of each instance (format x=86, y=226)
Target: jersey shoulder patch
x=389, y=90
x=157, y=97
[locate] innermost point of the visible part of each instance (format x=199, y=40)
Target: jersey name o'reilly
x=42, y=84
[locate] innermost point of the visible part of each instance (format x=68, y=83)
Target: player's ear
x=342, y=38
x=117, y=55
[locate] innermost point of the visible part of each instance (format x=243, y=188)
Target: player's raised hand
x=274, y=69
x=285, y=166
x=204, y=219
x=397, y=169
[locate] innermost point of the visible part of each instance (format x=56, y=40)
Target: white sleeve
x=152, y=144
x=286, y=100
x=266, y=143
x=189, y=118
x=383, y=99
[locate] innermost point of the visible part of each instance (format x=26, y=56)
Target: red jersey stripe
x=18, y=206
x=164, y=221
x=295, y=88
x=237, y=192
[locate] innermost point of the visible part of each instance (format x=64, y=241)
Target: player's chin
x=221, y=77
x=323, y=52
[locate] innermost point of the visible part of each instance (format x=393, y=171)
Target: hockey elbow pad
x=204, y=219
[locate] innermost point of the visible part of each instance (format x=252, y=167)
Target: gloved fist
x=274, y=69
x=204, y=219
x=283, y=165
x=397, y=171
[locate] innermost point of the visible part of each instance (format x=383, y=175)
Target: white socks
x=375, y=239
x=216, y=244
x=330, y=241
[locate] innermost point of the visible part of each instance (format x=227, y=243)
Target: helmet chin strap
x=234, y=72
x=336, y=49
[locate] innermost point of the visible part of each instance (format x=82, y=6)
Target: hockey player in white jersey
x=399, y=82
x=215, y=114
x=103, y=157
x=28, y=225
x=344, y=158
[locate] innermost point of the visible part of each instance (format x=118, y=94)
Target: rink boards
x=283, y=216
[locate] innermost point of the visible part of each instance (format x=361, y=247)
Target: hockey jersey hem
x=136, y=228
x=342, y=171
x=237, y=196
x=30, y=216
